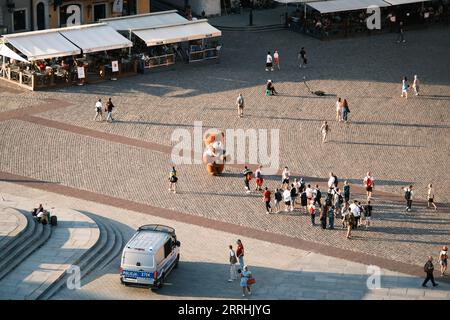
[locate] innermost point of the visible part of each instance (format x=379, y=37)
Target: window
x=40, y=16
x=20, y=20
x=99, y=11
x=129, y=7
x=168, y=248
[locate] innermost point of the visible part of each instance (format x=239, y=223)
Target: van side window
x=167, y=248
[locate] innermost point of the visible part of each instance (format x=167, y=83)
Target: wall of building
x=20, y=6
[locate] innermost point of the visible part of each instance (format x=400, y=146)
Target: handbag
x=251, y=281
x=233, y=260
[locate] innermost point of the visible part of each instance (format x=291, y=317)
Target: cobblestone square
x=49, y=136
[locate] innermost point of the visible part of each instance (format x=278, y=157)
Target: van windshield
x=132, y=258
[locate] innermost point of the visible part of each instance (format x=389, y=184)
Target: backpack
x=258, y=174
x=318, y=194
x=335, y=181
x=328, y=201
x=408, y=194
x=340, y=198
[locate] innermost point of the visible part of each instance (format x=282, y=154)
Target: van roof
x=149, y=238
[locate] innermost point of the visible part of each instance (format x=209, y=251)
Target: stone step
x=71, y=240
x=98, y=256
x=13, y=225
x=31, y=239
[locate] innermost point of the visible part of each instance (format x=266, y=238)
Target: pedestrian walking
x=98, y=109
x=285, y=175
x=325, y=129
x=278, y=199
x=429, y=269
x=332, y=181
x=309, y=193
x=247, y=173
x=345, y=111
x=356, y=213
x=246, y=275
x=323, y=216
x=430, y=197
x=360, y=215
x=109, y=109
x=269, y=62
x=266, y=199
x=302, y=185
x=301, y=58
x=233, y=261
x=276, y=58
x=259, y=178
x=312, y=213
x=317, y=196
x=346, y=192
x=416, y=85
x=443, y=258
x=405, y=87
x=350, y=222
x=338, y=199
x=173, y=179
x=408, y=197
x=293, y=196
x=331, y=215
x=369, y=183
x=339, y=107
x=368, y=214
x=240, y=105
x=304, y=201
x=240, y=254
x=287, y=199
x=401, y=33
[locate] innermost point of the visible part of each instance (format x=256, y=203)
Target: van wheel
x=161, y=281
x=176, y=262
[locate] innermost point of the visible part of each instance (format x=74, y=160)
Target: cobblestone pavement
x=399, y=141
x=289, y=273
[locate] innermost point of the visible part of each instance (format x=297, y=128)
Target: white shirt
x=430, y=193
x=275, y=55
x=331, y=182
x=98, y=105
x=355, y=210
x=269, y=58
x=309, y=192
x=286, y=195
x=285, y=174
x=338, y=106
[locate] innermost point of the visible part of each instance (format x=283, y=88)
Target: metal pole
x=250, y=23
x=129, y=49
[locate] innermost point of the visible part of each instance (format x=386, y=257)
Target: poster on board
x=115, y=66
x=80, y=71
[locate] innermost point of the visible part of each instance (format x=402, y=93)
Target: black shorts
x=430, y=200
x=369, y=189
x=269, y=65
x=285, y=181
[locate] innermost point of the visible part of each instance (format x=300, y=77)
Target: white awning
x=398, y=2
x=38, y=45
x=192, y=30
x=7, y=52
x=95, y=37
x=144, y=21
x=345, y=5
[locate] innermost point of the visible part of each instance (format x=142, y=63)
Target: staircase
x=23, y=244
x=108, y=247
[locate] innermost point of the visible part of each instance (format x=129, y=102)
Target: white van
x=149, y=256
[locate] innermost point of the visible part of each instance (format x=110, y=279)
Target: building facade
x=28, y=15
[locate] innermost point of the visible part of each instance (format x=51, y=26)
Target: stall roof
x=143, y=21
x=7, y=52
x=399, y=2
x=191, y=30
x=95, y=37
x=37, y=45
x=345, y=5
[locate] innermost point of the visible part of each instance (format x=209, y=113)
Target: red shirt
x=240, y=250
x=266, y=195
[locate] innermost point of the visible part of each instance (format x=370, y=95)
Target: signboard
x=70, y=15
x=117, y=6
x=115, y=66
x=80, y=71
